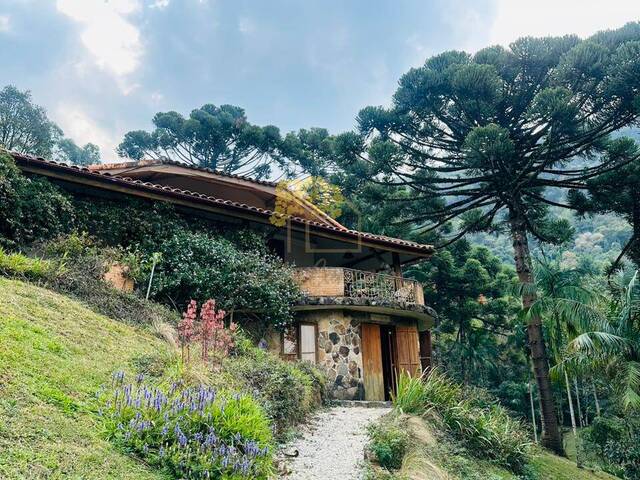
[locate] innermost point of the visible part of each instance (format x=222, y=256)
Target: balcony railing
x=357, y=284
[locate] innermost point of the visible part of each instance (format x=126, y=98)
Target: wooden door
x=408, y=350
x=425, y=349
x=372, y=361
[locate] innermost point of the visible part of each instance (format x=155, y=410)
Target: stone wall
x=339, y=353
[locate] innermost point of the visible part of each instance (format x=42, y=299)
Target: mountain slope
x=54, y=355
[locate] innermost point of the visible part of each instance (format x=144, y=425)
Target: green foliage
x=288, y=390
x=24, y=126
x=18, y=265
x=128, y=222
x=67, y=151
x=214, y=137
x=82, y=277
x=609, y=343
x=471, y=289
x=480, y=142
x=192, y=432
x=199, y=266
x=614, y=441
x=388, y=442
x=616, y=192
x=482, y=426
x=31, y=208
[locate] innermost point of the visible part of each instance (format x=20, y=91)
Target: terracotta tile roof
x=105, y=167
x=88, y=173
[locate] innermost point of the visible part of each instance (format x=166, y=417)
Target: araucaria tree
x=479, y=140
x=617, y=192
x=214, y=137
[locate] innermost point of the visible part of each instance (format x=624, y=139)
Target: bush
x=388, y=442
x=614, y=442
x=126, y=223
x=192, y=432
x=82, y=278
x=31, y=208
x=287, y=390
x=485, y=428
x=198, y=266
x=23, y=267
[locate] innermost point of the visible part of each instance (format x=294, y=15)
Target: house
x=359, y=319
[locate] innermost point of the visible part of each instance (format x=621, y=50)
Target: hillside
x=54, y=355
x=433, y=456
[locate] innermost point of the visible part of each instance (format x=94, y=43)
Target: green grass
x=21, y=266
x=547, y=465
x=433, y=454
x=54, y=355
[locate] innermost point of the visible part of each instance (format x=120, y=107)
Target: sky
x=104, y=67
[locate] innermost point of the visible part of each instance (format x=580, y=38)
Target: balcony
x=345, y=286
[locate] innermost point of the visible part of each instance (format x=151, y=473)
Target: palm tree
x=565, y=303
x=612, y=344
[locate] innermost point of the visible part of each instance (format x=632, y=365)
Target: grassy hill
x=432, y=455
x=54, y=355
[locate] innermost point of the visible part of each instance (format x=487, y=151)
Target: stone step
x=360, y=403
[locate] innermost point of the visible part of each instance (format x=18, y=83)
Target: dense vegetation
x=62, y=364
x=440, y=430
x=232, y=265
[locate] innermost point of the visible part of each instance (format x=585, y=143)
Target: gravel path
x=332, y=444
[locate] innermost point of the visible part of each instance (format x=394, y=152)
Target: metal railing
x=379, y=286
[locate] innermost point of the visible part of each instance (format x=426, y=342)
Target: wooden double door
x=386, y=351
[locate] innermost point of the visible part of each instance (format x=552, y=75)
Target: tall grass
x=17, y=265
x=485, y=428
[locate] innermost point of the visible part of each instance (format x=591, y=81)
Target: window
x=290, y=341
x=308, y=342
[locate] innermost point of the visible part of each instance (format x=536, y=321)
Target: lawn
x=55, y=354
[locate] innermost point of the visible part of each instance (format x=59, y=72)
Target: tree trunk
x=533, y=414
x=576, y=440
x=551, y=437
x=595, y=397
x=573, y=416
x=580, y=417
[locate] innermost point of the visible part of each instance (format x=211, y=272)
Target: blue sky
x=104, y=67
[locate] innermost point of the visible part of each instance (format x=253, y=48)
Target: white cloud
x=156, y=98
x=518, y=18
x=160, y=4
x=246, y=25
x=5, y=24
x=79, y=126
x=112, y=41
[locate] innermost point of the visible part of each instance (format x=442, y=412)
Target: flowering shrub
x=186, y=329
x=192, y=432
x=210, y=330
x=213, y=332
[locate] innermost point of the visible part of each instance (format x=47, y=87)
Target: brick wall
x=321, y=282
